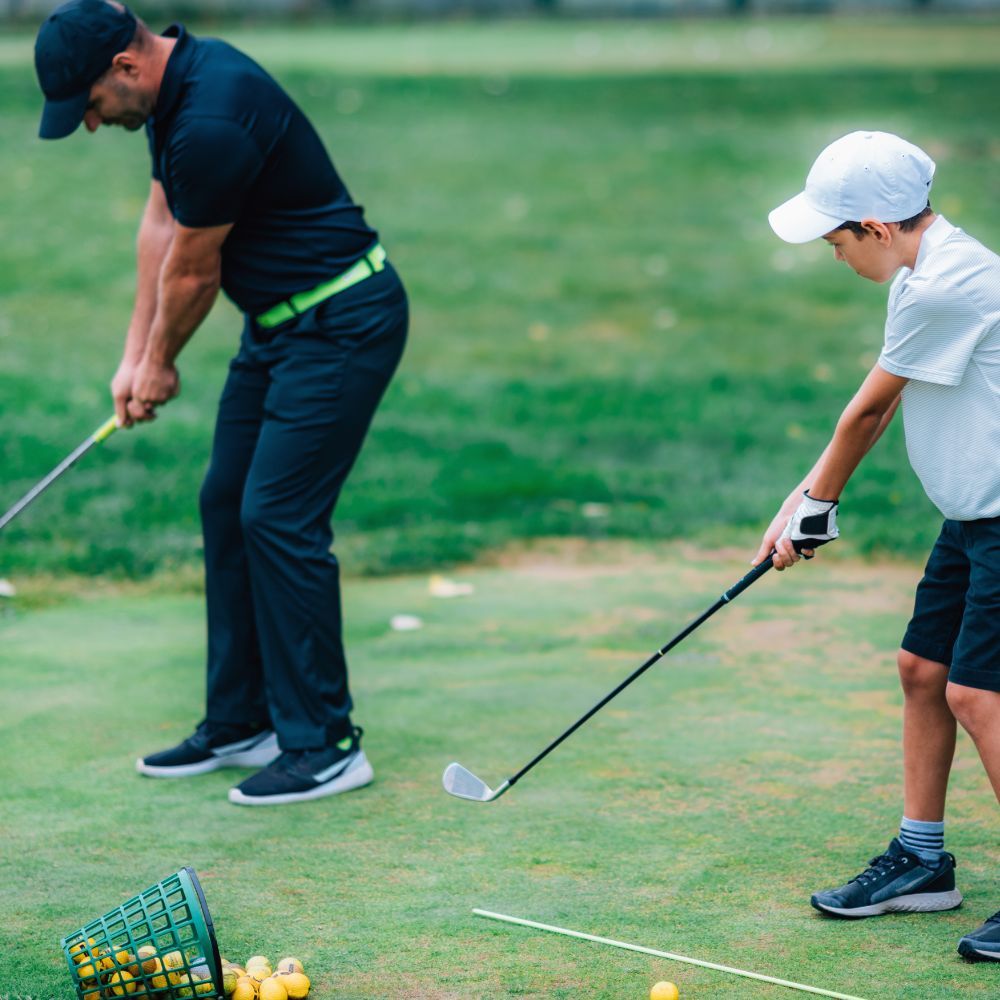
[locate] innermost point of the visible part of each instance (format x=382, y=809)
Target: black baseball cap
x=73, y=50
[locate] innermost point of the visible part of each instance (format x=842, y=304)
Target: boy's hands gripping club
x=813, y=524
x=799, y=529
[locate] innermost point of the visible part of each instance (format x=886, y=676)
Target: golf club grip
x=755, y=574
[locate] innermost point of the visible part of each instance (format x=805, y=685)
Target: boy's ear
x=881, y=232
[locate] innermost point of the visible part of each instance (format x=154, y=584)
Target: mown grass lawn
x=608, y=346
x=695, y=814
x=601, y=314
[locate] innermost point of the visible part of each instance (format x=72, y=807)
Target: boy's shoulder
x=955, y=248
x=951, y=266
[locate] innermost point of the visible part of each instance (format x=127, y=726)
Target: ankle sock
x=925, y=839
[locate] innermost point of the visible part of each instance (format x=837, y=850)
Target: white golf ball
x=405, y=623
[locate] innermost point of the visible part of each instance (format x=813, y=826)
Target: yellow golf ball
x=245, y=990
x=664, y=991
x=297, y=984
x=272, y=989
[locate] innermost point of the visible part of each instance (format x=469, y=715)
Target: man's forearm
x=152, y=247
x=184, y=298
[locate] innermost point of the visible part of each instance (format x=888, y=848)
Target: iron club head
x=463, y=784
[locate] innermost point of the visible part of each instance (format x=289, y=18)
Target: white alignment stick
x=663, y=954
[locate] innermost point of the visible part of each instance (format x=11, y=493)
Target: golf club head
x=463, y=784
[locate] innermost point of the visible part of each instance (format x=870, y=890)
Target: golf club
x=101, y=434
x=463, y=784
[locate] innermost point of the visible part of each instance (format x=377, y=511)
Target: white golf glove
x=813, y=524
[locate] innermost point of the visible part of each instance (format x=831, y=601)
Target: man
x=867, y=195
x=244, y=198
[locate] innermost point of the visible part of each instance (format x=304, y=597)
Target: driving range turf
x=607, y=342
x=755, y=764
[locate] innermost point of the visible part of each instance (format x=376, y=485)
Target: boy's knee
x=921, y=678
x=975, y=709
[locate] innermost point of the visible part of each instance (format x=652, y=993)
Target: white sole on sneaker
x=357, y=774
x=254, y=752
x=919, y=902
x=982, y=952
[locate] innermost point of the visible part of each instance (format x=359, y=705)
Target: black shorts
x=956, y=614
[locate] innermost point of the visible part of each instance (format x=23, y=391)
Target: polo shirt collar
x=175, y=72
x=933, y=236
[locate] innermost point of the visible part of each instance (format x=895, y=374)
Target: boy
x=867, y=195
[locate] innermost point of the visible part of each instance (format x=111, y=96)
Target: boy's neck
x=909, y=243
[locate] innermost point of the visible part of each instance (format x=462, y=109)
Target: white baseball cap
x=863, y=175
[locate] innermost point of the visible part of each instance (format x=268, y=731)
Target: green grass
x=601, y=314
x=695, y=814
x=601, y=317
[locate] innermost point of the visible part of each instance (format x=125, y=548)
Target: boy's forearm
x=862, y=423
x=853, y=438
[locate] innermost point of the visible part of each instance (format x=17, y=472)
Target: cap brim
x=798, y=222
x=62, y=118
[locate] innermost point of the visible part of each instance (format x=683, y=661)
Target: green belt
x=371, y=263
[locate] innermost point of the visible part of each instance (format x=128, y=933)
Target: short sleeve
x=213, y=163
x=151, y=141
x=931, y=333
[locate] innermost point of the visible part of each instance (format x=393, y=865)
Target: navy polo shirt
x=230, y=146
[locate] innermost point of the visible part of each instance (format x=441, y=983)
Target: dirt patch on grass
x=574, y=558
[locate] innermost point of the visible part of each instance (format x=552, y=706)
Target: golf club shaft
x=102, y=433
x=734, y=591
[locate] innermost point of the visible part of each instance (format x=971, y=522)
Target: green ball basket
x=171, y=917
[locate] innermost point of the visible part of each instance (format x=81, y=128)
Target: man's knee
x=976, y=710
x=921, y=678
x=220, y=495
x=255, y=520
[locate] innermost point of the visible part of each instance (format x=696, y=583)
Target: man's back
x=231, y=147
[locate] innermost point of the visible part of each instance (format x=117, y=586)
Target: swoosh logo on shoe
x=231, y=748
x=334, y=770
x=902, y=885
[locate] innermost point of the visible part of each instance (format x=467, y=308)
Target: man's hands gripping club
x=179, y=274
x=138, y=389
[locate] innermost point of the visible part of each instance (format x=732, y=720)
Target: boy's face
x=870, y=256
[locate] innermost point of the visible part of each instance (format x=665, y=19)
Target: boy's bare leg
x=979, y=713
x=928, y=736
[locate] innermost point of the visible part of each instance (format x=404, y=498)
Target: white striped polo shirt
x=943, y=334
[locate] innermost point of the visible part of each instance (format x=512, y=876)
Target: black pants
x=292, y=419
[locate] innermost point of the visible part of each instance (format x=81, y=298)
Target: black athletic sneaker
x=298, y=775
x=983, y=942
x=212, y=747
x=895, y=882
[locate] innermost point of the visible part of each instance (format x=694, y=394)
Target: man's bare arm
x=188, y=286
x=156, y=231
